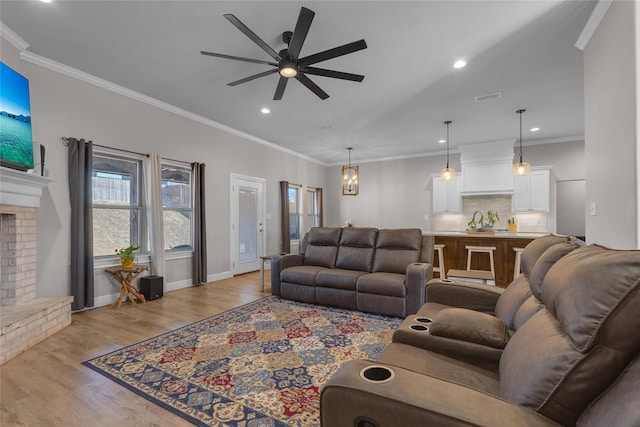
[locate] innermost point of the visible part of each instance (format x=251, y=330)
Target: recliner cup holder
x=423, y=320
x=417, y=327
x=377, y=374
x=446, y=280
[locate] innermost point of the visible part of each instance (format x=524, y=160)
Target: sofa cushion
x=589, y=324
x=396, y=249
x=535, y=248
x=619, y=406
x=391, y=284
x=322, y=246
x=529, y=307
x=302, y=275
x=511, y=300
x=338, y=278
x=544, y=263
x=471, y=326
x=357, y=247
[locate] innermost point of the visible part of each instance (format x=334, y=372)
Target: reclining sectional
x=366, y=269
x=566, y=343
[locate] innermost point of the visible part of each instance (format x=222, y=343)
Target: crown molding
x=121, y=90
x=592, y=24
x=8, y=34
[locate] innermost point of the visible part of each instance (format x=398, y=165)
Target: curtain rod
x=65, y=142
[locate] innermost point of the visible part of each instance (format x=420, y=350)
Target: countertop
x=498, y=234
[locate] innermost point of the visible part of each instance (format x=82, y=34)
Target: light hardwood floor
x=48, y=386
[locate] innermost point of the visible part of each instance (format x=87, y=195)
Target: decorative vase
x=127, y=263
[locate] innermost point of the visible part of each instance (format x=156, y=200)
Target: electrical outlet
x=426, y=217
x=593, y=209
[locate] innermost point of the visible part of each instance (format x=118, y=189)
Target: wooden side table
x=263, y=259
x=125, y=278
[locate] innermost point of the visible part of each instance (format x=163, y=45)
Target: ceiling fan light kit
x=287, y=63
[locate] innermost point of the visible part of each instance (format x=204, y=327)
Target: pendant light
x=521, y=168
x=350, y=184
x=447, y=173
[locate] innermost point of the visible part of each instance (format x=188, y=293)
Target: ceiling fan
x=287, y=63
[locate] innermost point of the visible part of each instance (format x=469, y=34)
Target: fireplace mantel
x=20, y=188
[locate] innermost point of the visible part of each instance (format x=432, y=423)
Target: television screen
x=16, y=145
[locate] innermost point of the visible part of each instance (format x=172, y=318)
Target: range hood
x=486, y=168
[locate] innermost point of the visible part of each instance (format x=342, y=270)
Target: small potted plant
x=127, y=256
x=492, y=217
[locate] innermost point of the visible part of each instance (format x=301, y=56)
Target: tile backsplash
x=527, y=222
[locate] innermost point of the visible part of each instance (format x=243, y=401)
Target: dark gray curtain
x=320, y=208
x=285, y=240
x=199, y=225
x=81, y=277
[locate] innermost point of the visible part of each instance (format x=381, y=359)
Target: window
x=294, y=212
x=116, y=204
x=176, y=207
x=313, y=209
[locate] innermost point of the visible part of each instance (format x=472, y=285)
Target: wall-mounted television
x=16, y=144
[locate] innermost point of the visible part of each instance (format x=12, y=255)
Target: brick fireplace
x=25, y=319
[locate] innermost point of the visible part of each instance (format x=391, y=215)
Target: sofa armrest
x=418, y=274
x=474, y=296
x=416, y=400
x=279, y=263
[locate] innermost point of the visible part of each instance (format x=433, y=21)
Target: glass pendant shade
x=522, y=168
x=350, y=177
x=447, y=173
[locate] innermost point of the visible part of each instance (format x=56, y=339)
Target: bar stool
x=439, y=248
x=485, y=276
x=516, y=267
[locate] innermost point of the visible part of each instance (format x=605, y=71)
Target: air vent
x=488, y=96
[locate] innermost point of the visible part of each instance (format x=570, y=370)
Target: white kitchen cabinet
x=531, y=192
x=446, y=195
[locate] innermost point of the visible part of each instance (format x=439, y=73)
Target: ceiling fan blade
x=333, y=53
x=247, y=32
x=335, y=74
x=312, y=86
x=300, y=32
x=238, y=58
x=255, y=76
x=282, y=84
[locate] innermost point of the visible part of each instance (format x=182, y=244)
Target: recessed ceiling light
x=442, y=141
x=265, y=110
x=535, y=129
x=45, y=1
x=459, y=63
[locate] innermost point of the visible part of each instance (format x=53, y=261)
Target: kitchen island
x=455, y=253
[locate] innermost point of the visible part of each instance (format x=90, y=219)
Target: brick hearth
x=25, y=320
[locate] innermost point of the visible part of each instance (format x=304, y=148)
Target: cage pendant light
x=350, y=183
x=521, y=168
x=447, y=173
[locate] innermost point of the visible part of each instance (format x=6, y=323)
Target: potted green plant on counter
x=127, y=256
x=483, y=223
x=492, y=217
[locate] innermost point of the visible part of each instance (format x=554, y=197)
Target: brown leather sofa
x=573, y=362
x=473, y=322
x=366, y=269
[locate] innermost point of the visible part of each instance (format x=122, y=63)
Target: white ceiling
x=524, y=49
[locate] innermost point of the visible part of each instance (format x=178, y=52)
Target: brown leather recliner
x=567, y=365
x=465, y=320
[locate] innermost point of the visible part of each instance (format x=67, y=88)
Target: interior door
x=247, y=223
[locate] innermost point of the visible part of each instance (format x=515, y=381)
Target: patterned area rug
x=258, y=365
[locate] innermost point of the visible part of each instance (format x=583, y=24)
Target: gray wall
x=398, y=193
x=65, y=106
x=611, y=115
